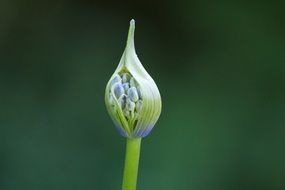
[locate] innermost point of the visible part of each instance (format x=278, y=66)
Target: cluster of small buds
x=127, y=94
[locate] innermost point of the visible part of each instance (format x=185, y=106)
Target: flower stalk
x=131, y=164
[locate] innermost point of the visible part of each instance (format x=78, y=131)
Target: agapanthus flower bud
x=132, y=97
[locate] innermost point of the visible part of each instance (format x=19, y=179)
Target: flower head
x=132, y=97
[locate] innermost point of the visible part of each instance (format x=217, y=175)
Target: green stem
x=131, y=163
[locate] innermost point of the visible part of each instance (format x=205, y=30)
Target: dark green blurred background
x=220, y=67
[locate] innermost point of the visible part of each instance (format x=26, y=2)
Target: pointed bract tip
x=130, y=40
x=132, y=22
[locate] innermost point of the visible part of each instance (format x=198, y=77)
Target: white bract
x=132, y=97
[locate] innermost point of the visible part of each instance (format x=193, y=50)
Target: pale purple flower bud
x=133, y=94
x=118, y=90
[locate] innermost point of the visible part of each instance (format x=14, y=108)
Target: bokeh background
x=220, y=68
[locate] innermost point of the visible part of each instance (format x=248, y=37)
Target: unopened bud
x=132, y=97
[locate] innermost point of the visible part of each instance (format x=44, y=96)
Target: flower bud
x=118, y=90
x=126, y=86
x=132, y=97
x=133, y=94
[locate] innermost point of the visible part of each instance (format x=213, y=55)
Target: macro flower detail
x=132, y=98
